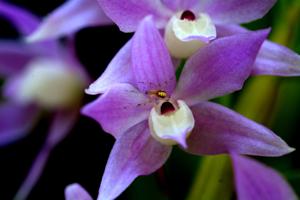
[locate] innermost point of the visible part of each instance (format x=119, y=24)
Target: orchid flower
x=151, y=112
x=191, y=24
x=38, y=77
x=187, y=25
x=252, y=180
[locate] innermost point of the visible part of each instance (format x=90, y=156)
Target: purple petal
x=221, y=130
x=24, y=21
x=69, y=18
x=127, y=14
x=224, y=30
x=151, y=63
x=220, y=68
x=14, y=56
x=274, y=59
x=254, y=180
x=118, y=71
x=16, y=121
x=118, y=109
x=236, y=11
x=180, y=5
x=135, y=153
x=61, y=125
x=76, y=192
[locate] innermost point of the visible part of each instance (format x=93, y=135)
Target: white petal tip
x=291, y=149
x=91, y=91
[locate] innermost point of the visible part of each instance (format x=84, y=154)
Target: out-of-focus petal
x=236, y=11
x=118, y=71
x=135, y=153
x=61, y=125
x=118, y=109
x=14, y=56
x=180, y=5
x=127, y=14
x=221, y=130
x=220, y=68
x=274, y=59
x=76, y=192
x=69, y=18
x=151, y=63
x=254, y=180
x=23, y=20
x=16, y=121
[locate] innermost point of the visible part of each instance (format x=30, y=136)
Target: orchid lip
x=186, y=32
x=171, y=122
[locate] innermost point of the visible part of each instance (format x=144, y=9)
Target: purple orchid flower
x=38, y=76
x=252, y=179
x=188, y=25
x=149, y=112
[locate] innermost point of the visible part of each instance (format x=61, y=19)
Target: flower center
x=171, y=122
x=188, y=15
x=51, y=84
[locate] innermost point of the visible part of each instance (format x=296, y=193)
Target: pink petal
x=118, y=71
x=221, y=130
x=127, y=14
x=274, y=59
x=62, y=123
x=135, y=153
x=220, y=68
x=254, y=180
x=16, y=121
x=118, y=109
x=24, y=21
x=76, y=192
x=69, y=18
x=236, y=11
x=151, y=63
x=181, y=5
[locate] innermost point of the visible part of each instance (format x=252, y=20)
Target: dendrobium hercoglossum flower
x=150, y=112
x=38, y=77
x=252, y=180
x=191, y=24
x=187, y=25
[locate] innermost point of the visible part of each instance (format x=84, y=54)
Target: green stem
x=216, y=185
